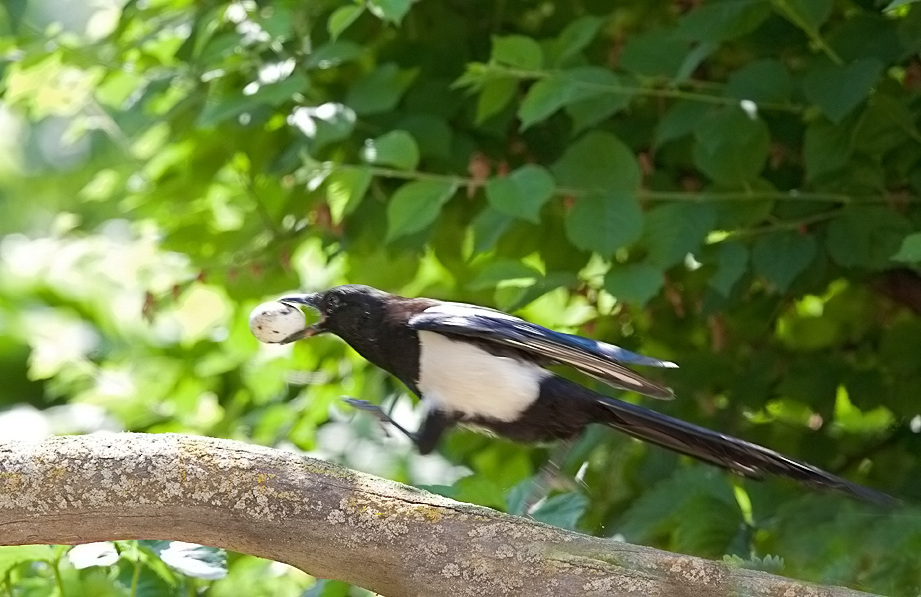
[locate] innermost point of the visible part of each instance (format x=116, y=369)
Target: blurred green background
x=733, y=185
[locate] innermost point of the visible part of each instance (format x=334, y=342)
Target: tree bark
x=330, y=522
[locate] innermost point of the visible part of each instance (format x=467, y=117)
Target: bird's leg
x=426, y=438
x=380, y=414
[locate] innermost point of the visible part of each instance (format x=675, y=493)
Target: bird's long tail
x=745, y=458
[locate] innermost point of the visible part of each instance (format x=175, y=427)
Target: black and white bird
x=481, y=367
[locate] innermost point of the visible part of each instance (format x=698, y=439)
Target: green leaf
x=544, y=98
x=838, y=89
x=563, y=510
x=866, y=236
x=869, y=34
x=634, y=283
x=333, y=54
x=551, y=93
x=722, y=20
x=706, y=525
x=488, y=226
x=12, y=556
x=827, y=147
x=765, y=80
x=808, y=15
x=655, y=53
x=598, y=162
x=431, y=132
x=679, y=120
x=782, y=256
x=522, y=193
x=910, y=251
x=731, y=147
x=732, y=258
x=575, y=37
x=219, y=109
x=604, y=222
x=495, y=94
x=395, y=148
x=324, y=124
x=694, y=58
x=342, y=17
x=897, y=3
x=674, y=230
x=389, y=10
x=416, y=205
x=345, y=190
x=659, y=508
x=380, y=90
x=325, y=587
x=505, y=271
x=588, y=112
x=518, y=51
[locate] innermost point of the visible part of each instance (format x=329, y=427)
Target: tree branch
x=329, y=521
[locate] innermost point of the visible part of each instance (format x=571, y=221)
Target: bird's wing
x=597, y=359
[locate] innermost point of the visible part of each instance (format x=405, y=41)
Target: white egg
x=272, y=322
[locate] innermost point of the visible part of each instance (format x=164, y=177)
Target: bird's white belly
x=459, y=377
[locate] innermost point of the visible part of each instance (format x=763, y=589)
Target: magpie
x=483, y=368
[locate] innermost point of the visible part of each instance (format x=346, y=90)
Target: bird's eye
x=332, y=303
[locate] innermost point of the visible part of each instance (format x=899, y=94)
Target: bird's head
x=344, y=310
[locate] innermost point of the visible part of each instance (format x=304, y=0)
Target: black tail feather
x=742, y=457
x=745, y=458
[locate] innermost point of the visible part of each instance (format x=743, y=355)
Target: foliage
x=733, y=185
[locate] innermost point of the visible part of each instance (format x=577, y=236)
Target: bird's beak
x=312, y=300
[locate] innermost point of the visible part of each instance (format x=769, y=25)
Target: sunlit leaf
x=342, y=17
x=92, y=554
x=389, y=10
x=519, y=51
x=416, y=205
x=395, y=148
x=345, y=190
x=549, y=94
x=197, y=561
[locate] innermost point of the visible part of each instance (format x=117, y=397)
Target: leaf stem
x=650, y=195
x=780, y=225
x=136, y=575
x=58, y=579
x=814, y=36
x=658, y=92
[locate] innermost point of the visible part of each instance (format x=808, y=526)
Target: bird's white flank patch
x=460, y=377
